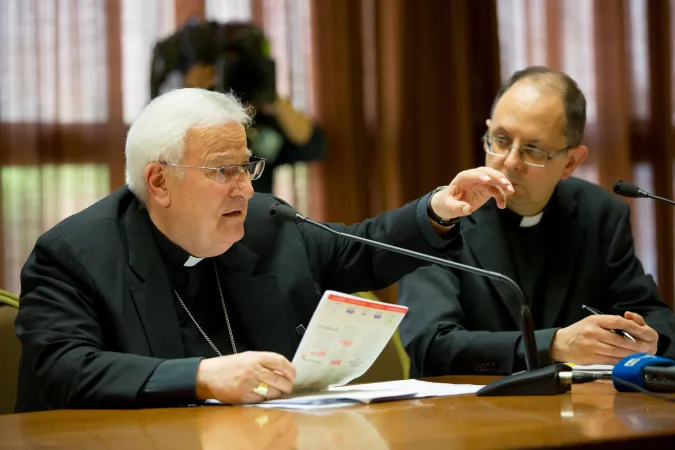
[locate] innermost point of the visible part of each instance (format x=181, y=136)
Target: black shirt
x=198, y=288
x=528, y=247
x=174, y=381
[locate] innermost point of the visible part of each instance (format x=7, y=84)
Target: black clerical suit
x=101, y=326
x=581, y=252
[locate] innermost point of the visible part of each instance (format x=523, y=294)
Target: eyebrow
x=502, y=130
x=219, y=158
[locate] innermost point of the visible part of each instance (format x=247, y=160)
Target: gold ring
x=262, y=389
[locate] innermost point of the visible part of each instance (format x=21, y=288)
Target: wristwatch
x=435, y=217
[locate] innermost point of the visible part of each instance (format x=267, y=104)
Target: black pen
x=619, y=332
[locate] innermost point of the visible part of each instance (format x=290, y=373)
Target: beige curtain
x=54, y=155
x=72, y=73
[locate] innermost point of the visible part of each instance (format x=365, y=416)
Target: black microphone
x=534, y=381
x=626, y=189
x=284, y=213
x=660, y=379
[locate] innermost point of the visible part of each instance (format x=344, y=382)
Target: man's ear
x=575, y=157
x=488, y=122
x=155, y=180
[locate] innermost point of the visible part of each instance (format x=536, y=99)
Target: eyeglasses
x=252, y=169
x=500, y=146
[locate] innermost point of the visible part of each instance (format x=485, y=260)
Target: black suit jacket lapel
x=486, y=242
x=564, y=245
x=152, y=295
x=258, y=299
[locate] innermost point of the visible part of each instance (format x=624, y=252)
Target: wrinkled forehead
x=228, y=139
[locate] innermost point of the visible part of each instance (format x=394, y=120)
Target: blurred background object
x=400, y=90
x=235, y=57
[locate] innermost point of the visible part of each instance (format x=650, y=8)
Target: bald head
x=548, y=82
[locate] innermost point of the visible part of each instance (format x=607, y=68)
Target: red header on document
x=368, y=303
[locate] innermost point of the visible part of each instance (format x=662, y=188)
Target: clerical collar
x=530, y=221
x=192, y=261
x=172, y=253
x=515, y=220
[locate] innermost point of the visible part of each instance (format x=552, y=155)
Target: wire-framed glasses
x=252, y=169
x=533, y=156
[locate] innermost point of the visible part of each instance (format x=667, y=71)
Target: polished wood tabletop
x=593, y=415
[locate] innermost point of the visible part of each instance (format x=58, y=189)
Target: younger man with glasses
x=565, y=241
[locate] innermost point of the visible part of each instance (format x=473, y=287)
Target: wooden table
x=593, y=415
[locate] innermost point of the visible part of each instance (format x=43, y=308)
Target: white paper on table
x=342, y=396
x=422, y=388
x=592, y=368
x=343, y=339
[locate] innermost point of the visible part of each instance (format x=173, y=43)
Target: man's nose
x=244, y=186
x=512, y=159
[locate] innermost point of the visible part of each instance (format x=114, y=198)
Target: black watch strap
x=435, y=217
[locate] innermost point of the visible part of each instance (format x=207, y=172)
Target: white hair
x=158, y=133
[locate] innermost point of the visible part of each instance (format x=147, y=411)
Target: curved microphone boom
x=626, y=189
x=534, y=381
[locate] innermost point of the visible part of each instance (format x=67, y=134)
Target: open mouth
x=232, y=214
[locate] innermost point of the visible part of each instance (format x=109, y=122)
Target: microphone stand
x=656, y=197
x=533, y=381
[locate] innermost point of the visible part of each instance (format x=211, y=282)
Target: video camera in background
x=235, y=57
x=225, y=57
x=245, y=66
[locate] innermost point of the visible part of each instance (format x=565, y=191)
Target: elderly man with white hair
x=179, y=287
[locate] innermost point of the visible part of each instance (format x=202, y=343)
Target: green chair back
x=8, y=298
x=392, y=364
x=10, y=351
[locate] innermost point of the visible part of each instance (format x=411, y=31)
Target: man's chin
x=223, y=246
x=231, y=236
x=515, y=202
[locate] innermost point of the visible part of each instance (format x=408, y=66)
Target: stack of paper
x=602, y=368
x=369, y=393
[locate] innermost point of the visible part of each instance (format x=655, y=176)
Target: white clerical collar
x=192, y=261
x=530, y=221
